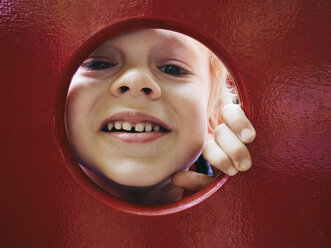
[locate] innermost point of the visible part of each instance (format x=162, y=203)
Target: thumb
x=190, y=180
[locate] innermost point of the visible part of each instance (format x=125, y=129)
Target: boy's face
x=143, y=80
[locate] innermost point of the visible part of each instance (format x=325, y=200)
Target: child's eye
x=173, y=70
x=97, y=65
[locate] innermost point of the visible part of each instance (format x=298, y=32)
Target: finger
x=235, y=118
x=214, y=154
x=233, y=147
x=191, y=180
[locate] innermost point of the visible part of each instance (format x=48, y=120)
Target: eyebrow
x=178, y=46
x=105, y=47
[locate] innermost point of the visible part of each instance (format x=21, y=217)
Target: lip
x=135, y=117
x=136, y=138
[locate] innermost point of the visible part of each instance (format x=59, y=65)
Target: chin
x=140, y=180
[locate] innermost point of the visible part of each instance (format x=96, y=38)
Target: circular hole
x=138, y=110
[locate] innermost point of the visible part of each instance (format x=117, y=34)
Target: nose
x=136, y=82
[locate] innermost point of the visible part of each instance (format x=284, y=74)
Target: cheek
x=75, y=108
x=78, y=107
x=192, y=111
x=192, y=104
x=82, y=97
x=72, y=123
x=196, y=121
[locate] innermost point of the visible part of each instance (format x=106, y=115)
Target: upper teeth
x=148, y=128
x=126, y=126
x=110, y=126
x=139, y=127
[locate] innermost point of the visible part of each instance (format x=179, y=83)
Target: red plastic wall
x=279, y=53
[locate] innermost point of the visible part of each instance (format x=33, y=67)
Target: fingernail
x=245, y=164
x=245, y=133
x=232, y=171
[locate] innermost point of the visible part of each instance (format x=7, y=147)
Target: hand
x=226, y=151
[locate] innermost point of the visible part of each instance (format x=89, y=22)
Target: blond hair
x=220, y=91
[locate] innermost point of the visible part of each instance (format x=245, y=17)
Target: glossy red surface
x=278, y=52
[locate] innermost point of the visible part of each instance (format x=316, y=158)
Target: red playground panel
x=279, y=55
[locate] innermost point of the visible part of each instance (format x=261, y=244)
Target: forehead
x=156, y=38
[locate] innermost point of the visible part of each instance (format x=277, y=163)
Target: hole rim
x=74, y=62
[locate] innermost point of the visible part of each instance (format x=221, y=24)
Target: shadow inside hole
x=138, y=111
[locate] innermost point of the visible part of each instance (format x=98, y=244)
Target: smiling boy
x=137, y=117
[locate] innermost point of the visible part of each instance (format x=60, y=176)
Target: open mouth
x=133, y=127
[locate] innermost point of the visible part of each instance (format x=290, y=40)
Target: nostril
x=147, y=91
x=123, y=89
